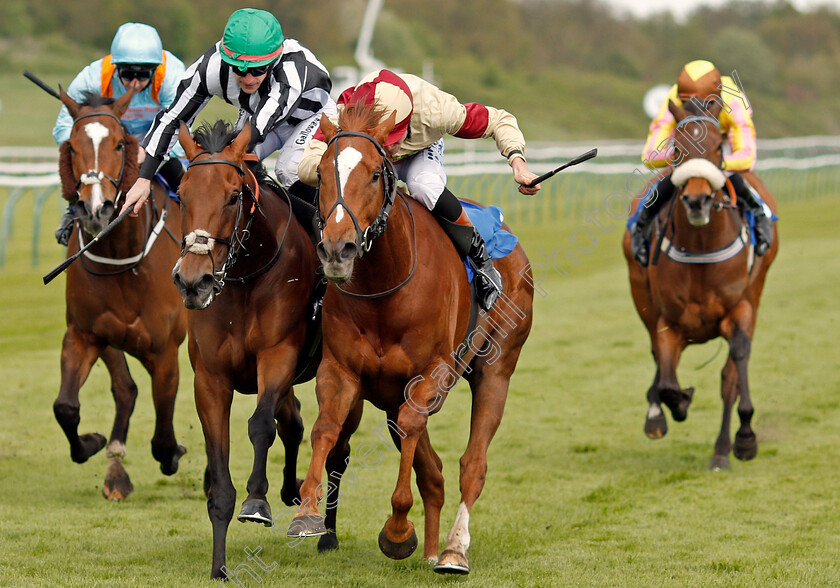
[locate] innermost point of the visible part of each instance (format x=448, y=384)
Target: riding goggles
x=130, y=74
x=254, y=71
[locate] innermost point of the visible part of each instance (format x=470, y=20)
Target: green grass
x=576, y=495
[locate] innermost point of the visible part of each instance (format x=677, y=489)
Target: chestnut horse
x=117, y=297
x=396, y=323
x=248, y=274
x=703, y=282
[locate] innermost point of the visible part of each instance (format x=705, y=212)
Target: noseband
x=364, y=239
x=92, y=176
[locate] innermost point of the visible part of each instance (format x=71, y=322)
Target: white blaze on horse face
x=96, y=132
x=346, y=162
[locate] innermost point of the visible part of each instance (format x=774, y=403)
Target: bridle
x=92, y=176
x=717, y=205
x=364, y=239
x=201, y=243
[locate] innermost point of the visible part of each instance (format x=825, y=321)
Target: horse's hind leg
x=290, y=431
x=163, y=368
x=656, y=424
x=77, y=357
x=117, y=483
x=337, y=462
x=489, y=396
x=746, y=445
x=728, y=392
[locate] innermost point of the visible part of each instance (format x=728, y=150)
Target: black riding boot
x=639, y=233
x=763, y=223
x=172, y=171
x=469, y=243
x=65, y=227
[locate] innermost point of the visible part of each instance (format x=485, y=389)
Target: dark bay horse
x=395, y=333
x=118, y=296
x=248, y=273
x=702, y=283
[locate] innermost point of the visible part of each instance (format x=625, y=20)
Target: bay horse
x=396, y=325
x=117, y=297
x=247, y=273
x=703, y=282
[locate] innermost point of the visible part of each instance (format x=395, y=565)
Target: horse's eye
x=376, y=176
x=120, y=146
x=234, y=198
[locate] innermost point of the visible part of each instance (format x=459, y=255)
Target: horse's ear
x=328, y=128
x=678, y=111
x=121, y=103
x=191, y=148
x=240, y=144
x=71, y=104
x=381, y=131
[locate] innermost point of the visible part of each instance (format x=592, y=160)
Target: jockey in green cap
x=276, y=82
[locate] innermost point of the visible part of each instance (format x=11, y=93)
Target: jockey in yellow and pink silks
x=701, y=84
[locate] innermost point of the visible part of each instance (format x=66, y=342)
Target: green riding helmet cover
x=252, y=38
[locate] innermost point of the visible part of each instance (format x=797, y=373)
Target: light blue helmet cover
x=136, y=43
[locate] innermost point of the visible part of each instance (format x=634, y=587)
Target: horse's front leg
x=274, y=378
x=428, y=468
x=337, y=462
x=668, y=346
x=338, y=392
x=163, y=368
x=77, y=358
x=398, y=539
x=117, y=482
x=213, y=399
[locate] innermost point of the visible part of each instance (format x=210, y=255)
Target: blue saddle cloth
x=749, y=215
x=488, y=222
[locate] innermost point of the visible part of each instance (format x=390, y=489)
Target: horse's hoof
x=328, y=542
x=399, y=550
x=746, y=446
x=291, y=496
x=452, y=562
x=678, y=402
x=170, y=466
x=307, y=526
x=718, y=463
x=117, y=483
x=92, y=443
x=256, y=510
x=656, y=427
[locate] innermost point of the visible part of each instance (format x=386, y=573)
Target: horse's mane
x=95, y=100
x=214, y=137
x=361, y=117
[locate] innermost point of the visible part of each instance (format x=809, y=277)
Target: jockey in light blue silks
x=137, y=61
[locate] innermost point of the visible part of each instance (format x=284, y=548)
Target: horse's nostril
x=349, y=251
x=321, y=251
x=106, y=210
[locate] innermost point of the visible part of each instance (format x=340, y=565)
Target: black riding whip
x=38, y=82
x=104, y=232
x=579, y=159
